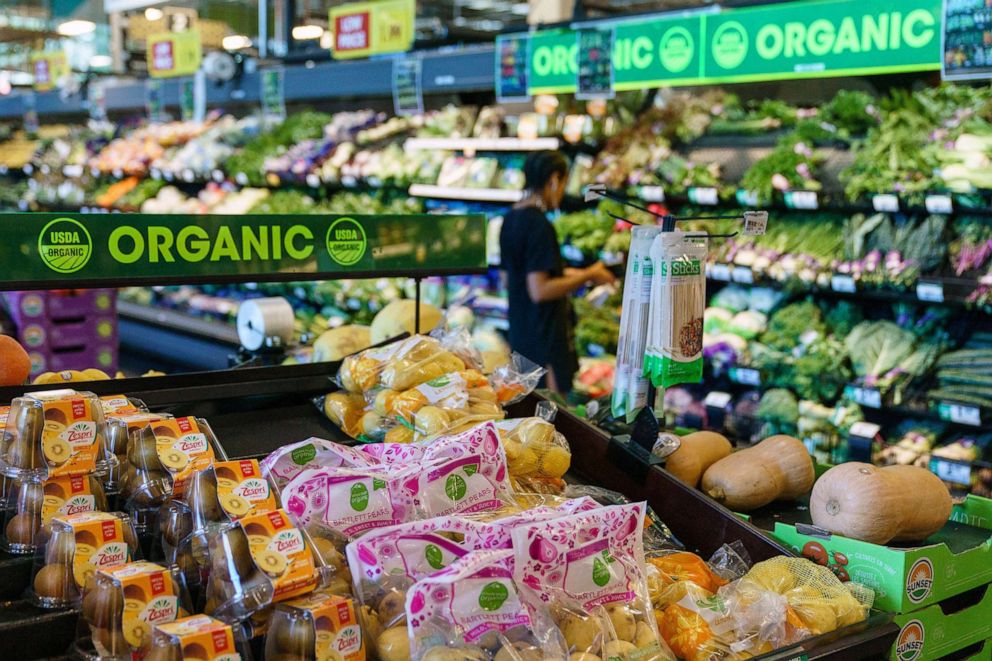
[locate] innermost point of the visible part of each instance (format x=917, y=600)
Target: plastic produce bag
x=472, y=610
x=198, y=637
x=285, y=463
x=516, y=379
x=398, y=366
x=588, y=569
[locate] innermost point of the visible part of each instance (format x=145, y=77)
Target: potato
x=384, y=401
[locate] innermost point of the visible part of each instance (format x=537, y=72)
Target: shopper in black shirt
x=538, y=284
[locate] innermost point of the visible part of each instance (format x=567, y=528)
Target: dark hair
x=540, y=166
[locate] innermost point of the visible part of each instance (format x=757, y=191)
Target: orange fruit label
x=67, y=494
x=150, y=599
x=99, y=540
x=281, y=552
x=203, y=633
x=241, y=489
x=337, y=634
x=69, y=438
x=117, y=405
x=183, y=448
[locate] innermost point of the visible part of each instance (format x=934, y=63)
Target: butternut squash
x=880, y=505
x=697, y=452
x=777, y=468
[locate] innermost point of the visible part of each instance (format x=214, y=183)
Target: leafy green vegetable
x=876, y=347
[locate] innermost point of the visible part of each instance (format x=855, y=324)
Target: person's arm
x=541, y=287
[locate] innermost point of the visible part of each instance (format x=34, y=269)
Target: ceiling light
x=306, y=32
x=153, y=14
x=235, y=42
x=101, y=61
x=75, y=28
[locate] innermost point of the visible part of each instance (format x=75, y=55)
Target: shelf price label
x=869, y=397
x=802, y=199
x=746, y=376
x=742, y=275
x=930, y=292
x=717, y=399
x=955, y=472
x=885, y=203
x=747, y=198
x=651, y=193
x=960, y=414
x=705, y=196
x=719, y=272
x=942, y=204
x=843, y=283
x=755, y=223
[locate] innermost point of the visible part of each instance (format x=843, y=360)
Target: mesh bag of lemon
x=776, y=603
x=537, y=455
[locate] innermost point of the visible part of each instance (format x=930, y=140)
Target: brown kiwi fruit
x=23, y=453
x=195, y=652
x=31, y=496
x=130, y=537
x=103, y=605
x=256, y=530
x=164, y=652
x=54, y=581
x=99, y=496
x=61, y=547
x=135, y=592
x=226, y=473
x=177, y=523
x=23, y=528
x=56, y=415
x=143, y=452
x=203, y=499
x=86, y=537
x=110, y=639
x=238, y=552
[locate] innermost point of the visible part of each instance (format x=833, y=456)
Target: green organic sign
x=50, y=248
x=817, y=38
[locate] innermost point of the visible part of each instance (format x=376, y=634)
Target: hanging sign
x=967, y=40
x=48, y=69
x=595, y=64
x=511, y=68
x=817, y=38
x=273, y=94
x=43, y=250
x=372, y=28
x=408, y=95
x=173, y=54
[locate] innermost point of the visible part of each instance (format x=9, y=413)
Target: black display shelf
x=149, y=335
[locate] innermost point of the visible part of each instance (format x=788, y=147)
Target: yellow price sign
x=372, y=28
x=174, y=54
x=48, y=68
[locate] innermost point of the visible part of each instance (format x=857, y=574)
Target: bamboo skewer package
x=630, y=391
x=674, y=351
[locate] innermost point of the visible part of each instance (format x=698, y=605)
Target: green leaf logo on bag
x=471, y=469
x=303, y=455
x=434, y=556
x=492, y=597
x=439, y=382
x=378, y=484
x=455, y=487
x=600, y=572
x=359, y=497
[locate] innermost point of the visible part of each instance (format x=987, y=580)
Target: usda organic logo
x=677, y=49
x=919, y=582
x=730, y=45
x=346, y=241
x=64, y=245
x=909, y=644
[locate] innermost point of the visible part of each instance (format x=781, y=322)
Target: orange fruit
x=14, y=362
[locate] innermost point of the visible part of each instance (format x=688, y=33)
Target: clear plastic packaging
x=538, y=456
x=161, y=458
x=350, y=501
x=28, y=521
x=257, y=561
x=123, y=605
x=588, y=570
x=398, y=366
x=516, y=379
x=121, y=429
x=80, y=545
x=198, y=638
x=472, y=610
x=317, y=627
x=119, y=405
x=58, y=432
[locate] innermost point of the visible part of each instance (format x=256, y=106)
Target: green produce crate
x=942, y=629
x=956, y=559
x=978, y=652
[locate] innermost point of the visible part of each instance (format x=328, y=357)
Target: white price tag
x=717, y=399
x=707, y=196
x=217, y=176
x=951, y=471
x=755, y=223
x=241, y=178
x=188, y=175
x=960, y=414
x=931, y=292
x=719, y=272
x=746, y=376
x=313, y=180
x=743, y=275
x=652, y=193
x=885, y=203
x=747, y=198
x=802, y=199
x=865, y=429
x=939, y=204
x=843, y=283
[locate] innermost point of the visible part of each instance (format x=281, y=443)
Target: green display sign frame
x=59, y=250
x=793, y=40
